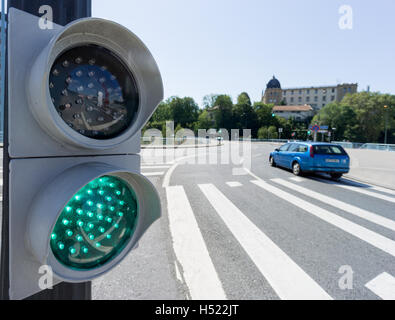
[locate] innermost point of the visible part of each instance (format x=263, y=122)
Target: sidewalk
x=373, y=166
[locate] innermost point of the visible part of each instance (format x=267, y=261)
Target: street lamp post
x=386, y=124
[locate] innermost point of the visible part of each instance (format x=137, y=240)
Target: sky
x=234, y=46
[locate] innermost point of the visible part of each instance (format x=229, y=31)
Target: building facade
x=298, y=113
x=316, y=97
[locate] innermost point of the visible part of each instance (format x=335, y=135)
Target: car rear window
x=327, y=149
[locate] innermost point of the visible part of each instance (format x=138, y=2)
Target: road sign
x=78, y=202
x=280, y=130
x=315, y=128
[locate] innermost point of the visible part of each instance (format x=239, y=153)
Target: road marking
x=153, y=174
x=190, y=249
x=155, y=167
x=360, y=190
x=373, y=238
x=288, y=280
x=383, y=286
x=234, y=184
x=381, y=189
x=297, y=179
x=364, y=214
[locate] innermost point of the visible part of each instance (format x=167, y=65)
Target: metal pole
x=64, y=12
x=386, y=124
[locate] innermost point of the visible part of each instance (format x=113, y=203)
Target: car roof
x=311, y=143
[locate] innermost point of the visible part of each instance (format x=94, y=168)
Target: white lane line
x=288, y=280
x=190, y=249
x=364, y=214
x=234, y=184
x=383, y=286
x=373, y=238
x=361, y=190
x=155, y=167
x=297, y=179
x=153, y=174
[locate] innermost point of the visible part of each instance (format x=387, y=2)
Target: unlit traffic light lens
x=93, y=92
x=96, y=224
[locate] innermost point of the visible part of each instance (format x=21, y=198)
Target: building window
x=315, y=98
x=292, y=92
x=324, y=91
x=349, y=89
x=308, y=91
x=333, y=90
x=316, y=91
x=300, y=99
x=324, y=98
x=285, y=92
x=333, y=98
x=307, y=99
x=300, y=91
x=292, y=99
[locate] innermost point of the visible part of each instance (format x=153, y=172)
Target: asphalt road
x=244, y=230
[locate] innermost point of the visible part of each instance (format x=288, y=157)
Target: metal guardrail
x=366, y=146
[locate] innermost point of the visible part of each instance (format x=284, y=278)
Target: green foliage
x=359, y=117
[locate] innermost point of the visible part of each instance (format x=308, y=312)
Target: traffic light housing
x=78, y=98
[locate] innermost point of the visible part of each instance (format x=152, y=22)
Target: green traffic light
x=96, y=224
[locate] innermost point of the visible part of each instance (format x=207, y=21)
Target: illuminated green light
x=69, y=233
x=80, y=239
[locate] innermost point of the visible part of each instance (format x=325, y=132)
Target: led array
x=96, y=224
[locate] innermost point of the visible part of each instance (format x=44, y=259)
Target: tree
x=263, y=133
x=204, y=121
x=223, y=112
x=244, y=115
x=184, y=111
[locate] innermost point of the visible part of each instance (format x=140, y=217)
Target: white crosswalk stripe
x=362, y=190
x=234, y=184
x=190, y=249
x=364, y=214
x=153, y=174
x=287, y=279
x=373, y=238
x=383, y=286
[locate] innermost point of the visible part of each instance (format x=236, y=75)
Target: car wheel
x=297, y=171
x=272, y=162
x=336, y=176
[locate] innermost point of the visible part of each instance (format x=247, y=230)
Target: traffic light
x=79, y=96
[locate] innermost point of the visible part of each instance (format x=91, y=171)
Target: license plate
x=333, y=160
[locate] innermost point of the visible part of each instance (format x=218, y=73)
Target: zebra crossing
x=284, y=274
x=154, y=169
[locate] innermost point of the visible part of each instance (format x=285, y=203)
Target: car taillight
x=311, y=152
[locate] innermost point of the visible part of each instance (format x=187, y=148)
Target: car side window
x=303, y=148
x=294, y=147
x=284, y=147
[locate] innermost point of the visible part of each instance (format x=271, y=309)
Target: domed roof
x=273, y=84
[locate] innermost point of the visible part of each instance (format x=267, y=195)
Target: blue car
x=305, y=157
